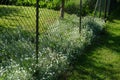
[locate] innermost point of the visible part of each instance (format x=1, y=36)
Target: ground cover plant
x=60, y=43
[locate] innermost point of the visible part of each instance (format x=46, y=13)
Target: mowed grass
x=25, y=17
x=101, y=60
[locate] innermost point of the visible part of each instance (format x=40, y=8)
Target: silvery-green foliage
x=61, y=43
x=51, y=64
x=64, y=36
x=95, y=24
x=20, y=51
x=14, y=72
x=16, y=48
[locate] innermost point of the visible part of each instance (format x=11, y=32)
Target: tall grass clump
x=59, y=47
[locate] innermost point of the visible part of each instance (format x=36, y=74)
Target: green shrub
x=54, y=4
x=42, y=4
x=8, y=2
x=71, y=6
x=25, y=2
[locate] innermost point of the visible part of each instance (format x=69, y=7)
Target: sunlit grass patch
x=24, y=17
x=101, y=60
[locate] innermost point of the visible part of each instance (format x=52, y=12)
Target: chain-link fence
x=17, y=36
x=46, y=32
x=22, y=26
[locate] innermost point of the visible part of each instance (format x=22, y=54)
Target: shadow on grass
x=115, y=14
x=112, y=41
x=85, y=67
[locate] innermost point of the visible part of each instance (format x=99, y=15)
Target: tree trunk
x=62, y=9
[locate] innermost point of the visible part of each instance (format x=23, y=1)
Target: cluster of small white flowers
x=50, y=63
x=66, y=37
x=15, y=72
x=1, y=71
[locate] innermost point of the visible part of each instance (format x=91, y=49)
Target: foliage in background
x=71, y=6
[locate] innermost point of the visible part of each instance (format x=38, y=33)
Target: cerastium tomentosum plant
x=59, y=45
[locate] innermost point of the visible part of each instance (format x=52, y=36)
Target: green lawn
x=24, y=17
x=102, y=58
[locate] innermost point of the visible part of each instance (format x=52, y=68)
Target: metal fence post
x=36, y=73
x=105, y=13
x=80, y=16
x=37, y=30
x=100, y=7
x=97, y=2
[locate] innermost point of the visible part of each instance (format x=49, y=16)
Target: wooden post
x=62, y=9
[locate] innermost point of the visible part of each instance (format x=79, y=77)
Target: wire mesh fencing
x=33, y=36
x=17, y=35
x=38, y=38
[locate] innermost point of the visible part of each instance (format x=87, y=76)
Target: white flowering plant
x=58, y=46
